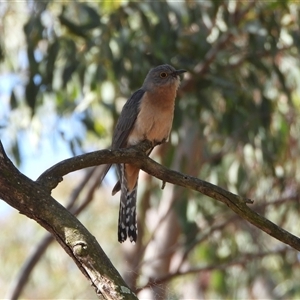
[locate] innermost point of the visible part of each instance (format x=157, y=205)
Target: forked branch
x=33, y=199
x=136, y=155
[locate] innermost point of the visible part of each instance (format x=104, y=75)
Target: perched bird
x=147, y=115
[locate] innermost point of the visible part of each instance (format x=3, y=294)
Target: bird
x=147, y=115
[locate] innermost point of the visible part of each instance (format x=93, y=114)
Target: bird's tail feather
x=127, y=217
x=127, y=214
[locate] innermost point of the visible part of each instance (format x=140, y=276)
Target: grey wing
x=127, y=119
x=124, y=125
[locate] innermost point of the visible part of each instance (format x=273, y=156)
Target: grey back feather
x=127, y=119
x=125, y=124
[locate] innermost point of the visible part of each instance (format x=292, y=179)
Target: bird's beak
x=178, y=72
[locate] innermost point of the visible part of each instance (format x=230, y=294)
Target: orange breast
x=154, y=121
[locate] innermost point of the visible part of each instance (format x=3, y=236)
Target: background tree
x=66, y=72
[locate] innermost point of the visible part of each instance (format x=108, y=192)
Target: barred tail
x=127, y=215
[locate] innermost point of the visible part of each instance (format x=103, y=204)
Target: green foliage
x=236, y=121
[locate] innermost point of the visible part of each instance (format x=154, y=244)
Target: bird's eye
x=163, y=74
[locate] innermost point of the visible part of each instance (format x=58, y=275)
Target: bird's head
x=162, y=76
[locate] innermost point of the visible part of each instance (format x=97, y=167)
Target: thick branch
x=136, y=155
x=32, y=200
x=18, y=284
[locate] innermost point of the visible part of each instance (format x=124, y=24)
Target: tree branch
x=18, y=284
x=31, y=199
x=20, y=281
x=136, y=155
x=242, y=261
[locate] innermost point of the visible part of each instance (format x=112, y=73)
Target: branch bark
x=18, y=284
x=33, y=199
x=136, y=155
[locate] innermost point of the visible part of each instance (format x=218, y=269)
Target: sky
x=36, y=156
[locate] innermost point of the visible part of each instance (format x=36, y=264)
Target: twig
x=218, y=266
x=19, y=282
